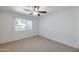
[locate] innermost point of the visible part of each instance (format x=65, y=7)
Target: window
x=22, y=24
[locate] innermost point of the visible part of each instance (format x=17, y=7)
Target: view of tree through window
x=22, y=24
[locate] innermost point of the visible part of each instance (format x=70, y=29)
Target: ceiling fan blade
x=28, y=10
x=42, y=11
x=31, y=13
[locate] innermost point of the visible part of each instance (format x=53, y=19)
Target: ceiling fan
x=36, y=11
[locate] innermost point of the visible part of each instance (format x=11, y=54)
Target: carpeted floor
x=35, y=44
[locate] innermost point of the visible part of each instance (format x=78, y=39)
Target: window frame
x=25, y=27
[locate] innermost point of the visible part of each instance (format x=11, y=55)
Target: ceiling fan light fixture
x=35, y=13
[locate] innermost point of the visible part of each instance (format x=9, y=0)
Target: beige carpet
x=36, y=44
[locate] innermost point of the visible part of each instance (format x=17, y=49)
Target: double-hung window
x=23, y=24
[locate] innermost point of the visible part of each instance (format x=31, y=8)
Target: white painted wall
x=77, y=40
x=8, y=33
x=60, y=26
x=0, y=27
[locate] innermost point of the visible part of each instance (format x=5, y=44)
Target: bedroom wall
x=60, y=26
x=77, y=41
x=7, y=25
x=0, y=27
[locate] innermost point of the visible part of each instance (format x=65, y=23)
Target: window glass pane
x=19, y=24
x=22, y=24
x=29, y=24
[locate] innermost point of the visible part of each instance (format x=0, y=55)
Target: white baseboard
x=74, y=46
x=3, y=42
